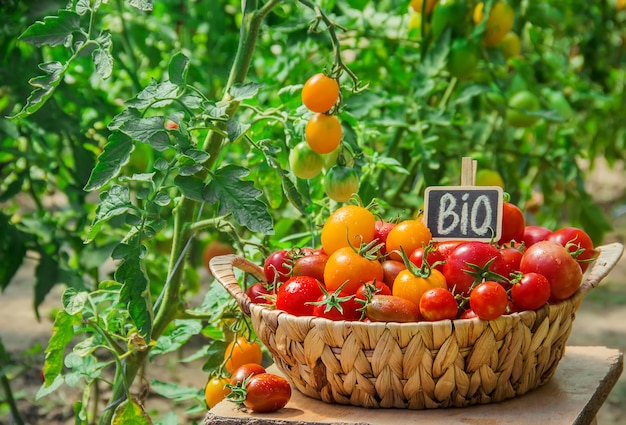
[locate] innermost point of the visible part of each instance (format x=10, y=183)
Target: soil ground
x=600, y=321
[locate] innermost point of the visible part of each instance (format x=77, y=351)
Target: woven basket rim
x=223, y=266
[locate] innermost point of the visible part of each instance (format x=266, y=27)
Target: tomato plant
x=323, y=133
x=320, y=93
x=519, y=106
x=463, y=58
x=498, y=23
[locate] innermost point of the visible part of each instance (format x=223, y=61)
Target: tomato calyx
x=369, y=251
x=332, y=299
x=426, y=269
x=238, y=391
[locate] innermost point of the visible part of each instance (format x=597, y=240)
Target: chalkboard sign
x=463, y=212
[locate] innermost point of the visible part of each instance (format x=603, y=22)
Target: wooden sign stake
x=468, y=171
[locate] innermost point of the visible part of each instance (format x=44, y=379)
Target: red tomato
x=267, y=392
x=513, y=224
x=511, y=258
x=389, y=308
x=310, y=264
x=489, y=300
x=258, y=293
x=381, y=230
x=468, y=314
x=553, y=261
x=575, y=239
x=417, y=257
x=295, y=294
x=391, y=269
x=445, y=248
x=369, y=289
x=466, y=263
x=534, y=234
x=245, y=371
x=337, y=305
x=531, y=292
x=438, y=304
x=277, y=266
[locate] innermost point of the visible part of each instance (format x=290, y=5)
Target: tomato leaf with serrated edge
x=130, y=412
x=246, y=91
x=179, y=335
x=135, y=294
x=175, y=392
x=239, y=198
x=44, y=87
x=114, y=156
x=74, y=301
x=155, y=95
x=149, y=130
x=62, y=334
x=144, y=5
x=54, y=30
x=113, y=203
x=102, y=57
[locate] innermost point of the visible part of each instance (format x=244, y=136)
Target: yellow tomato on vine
x=499, y=22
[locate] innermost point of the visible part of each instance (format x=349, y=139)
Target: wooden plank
x=581, y=384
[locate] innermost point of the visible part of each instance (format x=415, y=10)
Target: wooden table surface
x=579, y=387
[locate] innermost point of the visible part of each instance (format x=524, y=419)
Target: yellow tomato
x=510, y=46
x=499, y=22
x=215, y=391
x=240, y=352
x=348, y=225
x=486, y=177
x=417, y=5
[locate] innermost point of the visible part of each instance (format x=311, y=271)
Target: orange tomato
x=350, y=224
x=240, y=352
x=320, y=93
x=323, y=133
x=408, y=234
x=417, y=5
x=411, y=287
x=345, y=265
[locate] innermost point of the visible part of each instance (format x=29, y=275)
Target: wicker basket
x=415, y=365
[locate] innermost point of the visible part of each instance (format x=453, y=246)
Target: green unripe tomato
x=341, y=182
x=519, y=103
x=305, y=163
x=449, y=13
x=462, y=59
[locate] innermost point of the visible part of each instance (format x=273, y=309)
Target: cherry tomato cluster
x=373, y=270
x=249, y=383
x=322, y=147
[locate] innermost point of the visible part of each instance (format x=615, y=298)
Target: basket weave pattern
x=415, y=365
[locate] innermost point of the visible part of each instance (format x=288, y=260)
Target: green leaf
x=239, y=198
x=145, y=5
x=246, y=91
x=52, y=271
x=236, y=130
x=113, y=203
x=155, y=95
x=175, y=392
x=180, y=334
x=44, y=87
x=437, y=55
x=81, y=6
x=13, y=247
x=148, y=130
x=135, y=294
x=130, y=412
x=54, y=30
x=177, y=69
x=114, y=156
x=62, y=334
x=47, y=389
x=102, y=57
x=192, y=187
x=74, y=301
x=470, y=91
